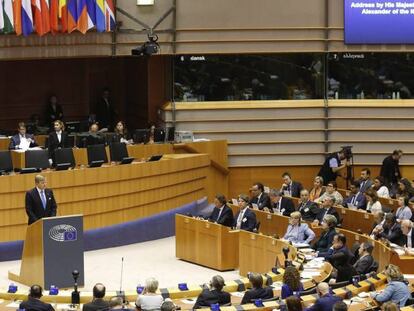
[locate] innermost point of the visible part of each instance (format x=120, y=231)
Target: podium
x=52, y=250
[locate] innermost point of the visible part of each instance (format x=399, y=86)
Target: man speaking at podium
x=40, y=201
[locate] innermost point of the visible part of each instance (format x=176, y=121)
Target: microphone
x=286, y=254
x=121, y=293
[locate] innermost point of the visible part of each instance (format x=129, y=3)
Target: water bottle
x=362, y=94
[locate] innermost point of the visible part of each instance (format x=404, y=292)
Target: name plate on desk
x=252, y=237
x=207, y=225
x=366, y=216
x=343, y=211
x=186, y=220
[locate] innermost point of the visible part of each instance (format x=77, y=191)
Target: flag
x=82, y=13
x=17, y=12
x=72, y=15
x=44, y=4
x=27, y=19
x=100, y=15
x=109, y=15
x=1, y=15
x=8, y=16
x=90, y=4
x=63, y=15
x=54, y=16
x=37, y=17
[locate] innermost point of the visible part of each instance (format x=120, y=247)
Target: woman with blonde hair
x=149, y=299
x=317, y=190
x=298, y=232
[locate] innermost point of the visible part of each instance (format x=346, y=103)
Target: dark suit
x=333, y=251
x=117, y=137
x=257, y=293
x=390, y=171
x=393, y=234
x=331, y=211
x=357, y=200
x=294, y=188
x=53, y=114
x=95, y=305
x=226, y=216
x=209, y=297
x=309, y=210
x=105, y=113
x=364, y=185
x=15, y=141
x=345, y=273
x=54, y=143
x=248, y=222
x=33, y=304
x=286, y=206
x=34, y=206
x=363, y=264
x=262, y=202
x=412, y=239
x=325, y=240
x=324, y=303
x=94, y=139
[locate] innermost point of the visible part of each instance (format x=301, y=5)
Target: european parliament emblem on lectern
x=52, y=250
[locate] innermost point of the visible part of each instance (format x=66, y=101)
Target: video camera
x=347, y=151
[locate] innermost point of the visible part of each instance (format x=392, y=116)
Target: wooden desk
x=205, y=243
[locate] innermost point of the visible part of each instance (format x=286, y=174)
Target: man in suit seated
x=325, y=301
x=307, y=208
x=390, y=230
x=222, y=214
x=257, y=291
x=407, y=230
x=22, y=140
x=356, y=198
x=33, y=303
x=365, y=262
x=324, y=243
x=260, y=198
x=379, y=220
x=40, y=201
x=365, y=182
x=327, y=209
x=289, y=187
x=98, y=302
x=245, y=219
x=280, y=205
x=214, y=294
x=338, y=246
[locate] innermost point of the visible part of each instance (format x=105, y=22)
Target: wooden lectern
x=52, y=250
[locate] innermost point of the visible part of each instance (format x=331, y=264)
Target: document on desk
x=237, y=294
x=309, y=274
x=15, y=304
x=301, y=245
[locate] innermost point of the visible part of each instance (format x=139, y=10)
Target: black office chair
x=159, y=135
x=6, y=164
x=170, y=134
x=96, y=155
x=70, y=141
x=64, y=156
x=308, y=292
x=37, y=159
x=141, y=136
x=118, y=151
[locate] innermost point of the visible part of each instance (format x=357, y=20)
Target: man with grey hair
x=326, y=300
x=327, y=209
x=308, y=209
x=407, y=230
x=40, y=201
x=280, y=205
x=214, y=294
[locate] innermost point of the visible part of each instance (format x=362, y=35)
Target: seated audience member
x=318, y=189
x=327, y=209
x=168, y=305
x=407, y=230
x=344, y=270
x=340, y=306
x=365, y=181
x=356, y=197
x=298, y=232
x=57, y=139
x=94, y=137
x=405, y=188
x=373, y=204
x=280, y=204
x=365, y=261
x=390, y=230
x=54, y=111
x=22, y=140
x=379, y=220
x=289, y=187
x=403, y=211
x=149, y=299
x=396, y=290
x=326, y=300
x=213, y=294
x=33, y=302
x=291, y=282
x=222, y=214
x=338, y=246
x=293, y=303
x=380, y=188
x=98, y=302
x=121, y=133
x=260, y=198
x=307, y=208
x=117, y=303
x=257, y=291
x=324, y=242
x=245, y=219
x=331, y=191
x=389, y=306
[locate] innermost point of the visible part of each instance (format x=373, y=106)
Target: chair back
x=37, y=159
x=118, y=151
x=65, y=155
x=97, y=153
x=6, y=163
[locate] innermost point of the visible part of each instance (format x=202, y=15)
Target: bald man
x=326, y=300
x=40, y=201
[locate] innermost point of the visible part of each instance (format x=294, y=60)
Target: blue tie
x=43, y=198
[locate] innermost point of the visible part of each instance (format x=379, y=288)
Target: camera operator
x=332, y=165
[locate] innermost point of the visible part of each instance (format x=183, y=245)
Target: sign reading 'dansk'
x=63, y=233
x=379, y=21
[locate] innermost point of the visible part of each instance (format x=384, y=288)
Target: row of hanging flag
x=24, y=17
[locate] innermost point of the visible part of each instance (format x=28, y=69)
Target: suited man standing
x=308, y=209
x=222, y=214
x=280, y=205
x=245, y=219
x=40, y=201
x=22, y=140
x=260, y=198
x=57, y=139
x=290, y=188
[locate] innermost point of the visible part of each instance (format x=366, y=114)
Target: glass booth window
x=248, y=77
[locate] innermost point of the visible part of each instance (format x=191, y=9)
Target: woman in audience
x=403, y=211
x=318, y=189
x=389, y=306
x=373, y=205
x=257, y=291
x=291, y=282
x=396, y=291
x=331, y=191
x=149, y=299
x=380, y=188
x=213, y=294
x=121, y=133
x=298, y=232
x=293, y=303
x=405, y=188
x=325, y=241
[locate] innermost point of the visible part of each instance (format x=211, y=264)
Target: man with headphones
x=33, y=303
